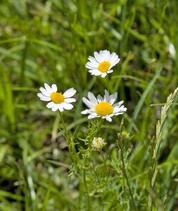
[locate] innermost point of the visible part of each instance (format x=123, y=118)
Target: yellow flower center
x=104, y=108
x=57, y=97
x=104, y=66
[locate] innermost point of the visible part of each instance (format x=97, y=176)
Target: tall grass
x=47, y=161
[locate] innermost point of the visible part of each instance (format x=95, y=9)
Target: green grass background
x=49, y=42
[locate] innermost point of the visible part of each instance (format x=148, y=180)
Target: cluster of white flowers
x=104, y=107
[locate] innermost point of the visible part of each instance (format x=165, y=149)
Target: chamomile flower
x=57, y=100
x=101, y=64
x=98, y=143
x=103, y=107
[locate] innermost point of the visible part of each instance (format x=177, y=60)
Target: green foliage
x=47, y=161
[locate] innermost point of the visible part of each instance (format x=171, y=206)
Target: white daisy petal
x=113, y=98
x=91, y=117
x=43, y=98
x=106, y=95
x=60, y=107
x=91, y=65
x=99, y=98
x=40, y=95
x=117, y=110
x=54, y=87
x=68, y=106
x=104, y=53
x=50, y=105
x=88, y=103
x=87, y=111
x=109, y=71
x=70, y=100
x=48, y=88
x=91, y=59
x=69, y=93
x=95, y=72
x=114, y=59
x=44, y=92
x=108, y=118
x=118, y=104
x=122, y=110
x=103, y=75
x=94, y=115
x=55, y=107
x=92, y=98
x=98, y=57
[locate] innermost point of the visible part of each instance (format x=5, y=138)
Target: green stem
x=64, y=126
x=23, y=62
x=120, y=145
x=126, y=177
x=98, y=126
x=86, y=188
x=69, y=138
x=104, y=160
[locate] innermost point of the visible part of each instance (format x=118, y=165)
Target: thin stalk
x=104, y=160
x=120, y=145
x=86, y=189
x=69, y=138
x=99, y=126
x=64, y=126
x=126, y=177
x=23, y=62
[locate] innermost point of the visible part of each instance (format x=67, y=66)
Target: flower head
x=103, y=107
x=98, y=143
x=57, y=100
x=102, y=63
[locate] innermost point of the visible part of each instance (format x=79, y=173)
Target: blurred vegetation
x=50, y=41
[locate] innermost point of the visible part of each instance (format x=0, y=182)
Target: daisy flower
x=103, y=107
x=57, y=100
x=102, y=63
x=98, y=143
